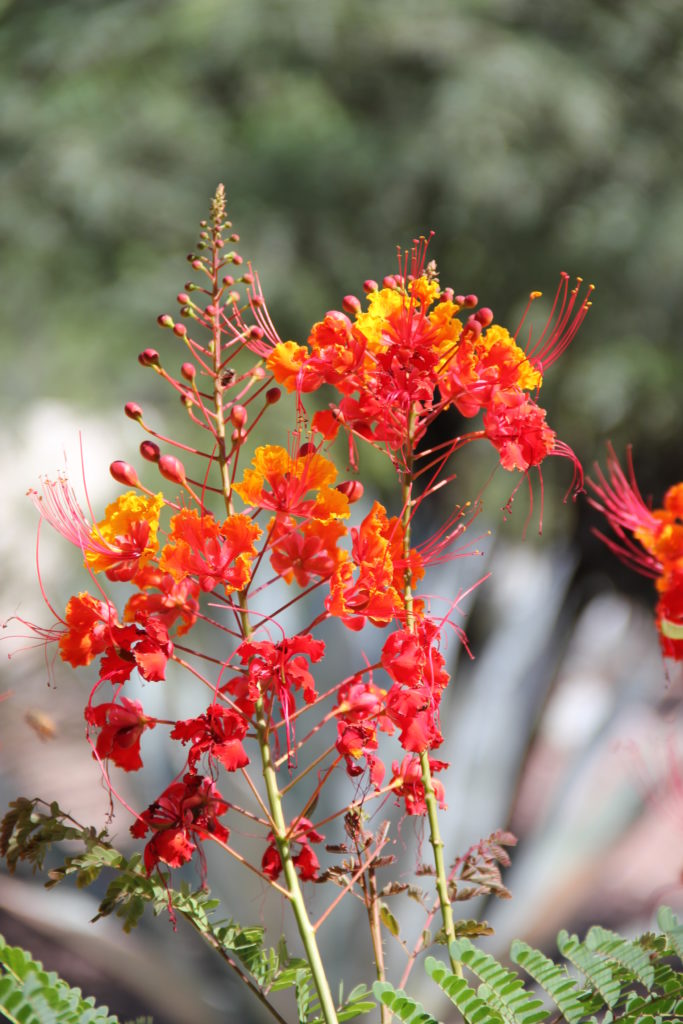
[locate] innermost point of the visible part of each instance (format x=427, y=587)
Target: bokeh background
x=532, y=138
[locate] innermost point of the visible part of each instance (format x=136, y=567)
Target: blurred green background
x=532, y=137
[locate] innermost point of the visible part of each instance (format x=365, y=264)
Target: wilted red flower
x=306, y=861
x=407, y=783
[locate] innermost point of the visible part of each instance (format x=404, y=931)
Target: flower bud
x=238, y=436
x=149, y=357
x=238, y=415
x=258, y=373
x=247, y=278
x=183, y=298
x=234, y=257
x=370, y=285
x=150, y=451
x=124, y=473
x=196, y=264
x=189, y=371
x=256, y=333
x=389, y=281
x=350, y=304
x=353, y=489
x=447, y=296
x=228, y=281
x=165, y=320
x=172, y=469
x=257, y=300
x=180, y=330
x=234, y=238
x=133, y=411
x=273, y=395
x=211, y=310
x=470, y=301
x=306, y=449
x=484, y=316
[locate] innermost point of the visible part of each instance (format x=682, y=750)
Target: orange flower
x=281, y=483
x=213, y=552
x=89, y=629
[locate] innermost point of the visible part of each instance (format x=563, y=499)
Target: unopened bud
x=211, y=310
x=353, y=489
x=234, y=238
x=238, y=435
x=133, y=411
x=183, y=298
x=389, y=281
x=165, y=320
x=149, y=357
x=255, y=333
x=150, y=451
x=473, y=326
x=247, y=278
x=447, y=295
x=234, y=257
x=228, y=281
x=124, y=473
x=180, y=330
x=273, y=395
x=196, y=264
x=238, y=415
x=370, y=285
x=258, y=373
x=350, y=304
x=470, y=301
x=484, y=316
x=306, y=449
x=189, y=371
x=172, y=468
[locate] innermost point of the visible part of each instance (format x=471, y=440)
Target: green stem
x=427, y=782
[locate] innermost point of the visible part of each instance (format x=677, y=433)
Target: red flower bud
x=228, y=281
x=150, y=451
x=133, y=411
x=211, y=310
x=353, y=489
x=234, y=238
x=183, y=299
x=234, y=257
x=389, y=281
x=165, y=320
x=447, y=296
x=247, y=278
x=238, y=415
x=273, y=395
x=350, y=304
x=370, y=285
x=188, y=370
x=172, y=469
x=470, y=301
x=180, y=330
x=306, y=449
x=149, y=357
x=256, y=333
x=197, y=264
x=124, y=473
x=484, y=316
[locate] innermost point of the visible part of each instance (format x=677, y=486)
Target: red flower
x=219, y=733
x=89, y=629
x=177, y=600
x=146, y=648
x=515, y=425
x=304, y=834
x=122, y=726
x=213, y=552
x=407, y=783
x=185, y=813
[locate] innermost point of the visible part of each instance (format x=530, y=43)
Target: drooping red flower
x=218, y=733
x=121, y=727
x=515, y=425
x=186, y=813
x=306, y=861
x=360, y=712
x=146, y=648
x=407, y=783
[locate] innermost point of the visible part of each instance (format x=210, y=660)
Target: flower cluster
x=649, y=540
x=386, y=370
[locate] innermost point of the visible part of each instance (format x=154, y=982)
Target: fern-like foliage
x=31, y=995
x=31, y=829
x=624, y=981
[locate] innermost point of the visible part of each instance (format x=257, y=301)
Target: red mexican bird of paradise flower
x=121, y=727
x=648, y=540
x=218, y=733
x=120, y=544
x=88, y=629
x=184, y=815
x=216, y=553
x=306, y=860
